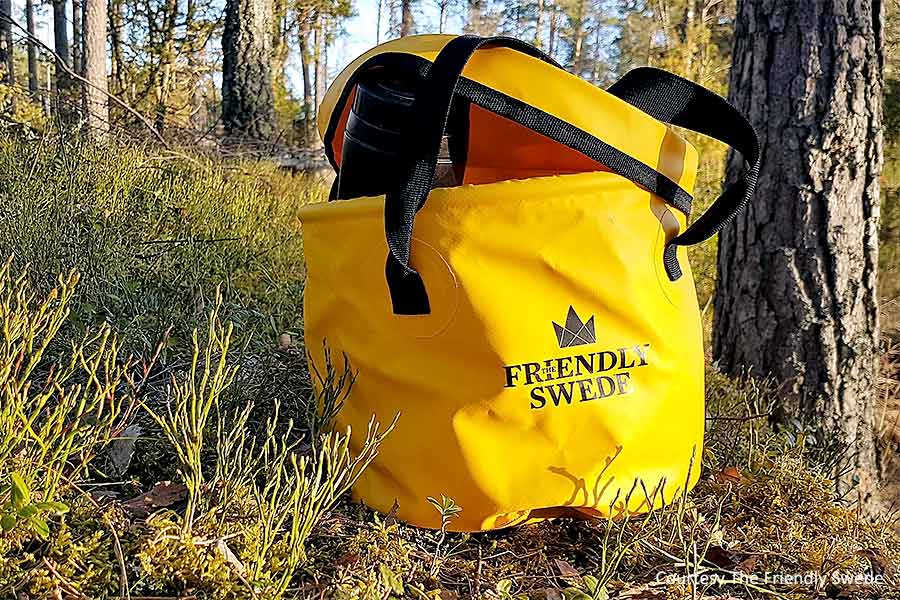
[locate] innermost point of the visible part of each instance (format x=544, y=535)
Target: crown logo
x=575, y=332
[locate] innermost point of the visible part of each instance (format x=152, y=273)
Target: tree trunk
x=443, y=5
x=796, y=296
x=539, y=23
x=280, y=47
x=309, y=122
x=6, y=48
x=167, y=65
x=115, y=46
x=32, y=49
x=554, y=21
x=406, y=18
x=61, y=45
x=248, y=102
x=578, y=42
x=378, y=22
x=317, y=56
x=95, y=93
x=475, y=17
x=320, y=61
x=77, y=42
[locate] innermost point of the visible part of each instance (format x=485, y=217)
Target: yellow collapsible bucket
x=539, y=336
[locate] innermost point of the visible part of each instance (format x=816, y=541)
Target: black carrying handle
x=678, y=101
x=422, y=137
x=662, y=95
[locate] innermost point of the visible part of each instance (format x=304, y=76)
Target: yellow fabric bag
x=538, y=335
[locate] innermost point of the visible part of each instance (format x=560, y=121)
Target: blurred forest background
x=173, y=70
x=167, y=59
x=156, y=153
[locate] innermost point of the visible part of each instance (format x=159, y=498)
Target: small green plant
x=269, y=480
x=299, y=491
x=20, y=510
x=449, y=510
x=192, y=401
x=56, y=413
x=330, y=388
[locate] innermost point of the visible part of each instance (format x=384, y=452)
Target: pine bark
x=578, y=37
x=378, y=22
x=475, y=22
x=248, y=102
x=796, y=295
x=32, y=49
x=308, y=108
x=61, y=46
x=539, y=24
x=163, y=83
x=96, y=89
x=117, y=65
x=554, y=27
x=6, y=46
x=77, y=41
x=406, y=18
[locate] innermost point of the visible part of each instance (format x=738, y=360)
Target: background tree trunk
x=475, y=17
x=309, y=111
x=578, y=37
x=406, y=18
x=95, y=92
x=248, y=103
x=77, y=42
x=77, y=50
x=115, y=46
x=32, y=49
x=554, y=25
x=796, y=295
x=6, y=48
x=61, y=46
x=166, y=65
x=378, y=22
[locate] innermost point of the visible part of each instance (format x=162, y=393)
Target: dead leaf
x=720, y=557
x=880, y=564
x=121, y=449
x=565, y=569
x=553, y=594
x=230, y=557
x=104, y=497
x=163, y=495
x=728, y=475
x=348, y=559
x=748, y=565
x=391, y=517
x=643, y=592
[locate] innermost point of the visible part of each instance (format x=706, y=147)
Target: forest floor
x=198, y=495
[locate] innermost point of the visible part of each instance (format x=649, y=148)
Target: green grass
x=152, y=235
x=179, y=243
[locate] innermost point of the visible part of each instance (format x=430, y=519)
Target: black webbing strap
x=431, y=109
x=666, y=97
x=675, y=100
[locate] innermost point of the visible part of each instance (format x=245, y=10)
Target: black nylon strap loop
x=431, y=109
x=678, y=101
x=664, y=96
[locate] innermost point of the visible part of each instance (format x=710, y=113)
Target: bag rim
x=491, y=68
x=565, y=183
